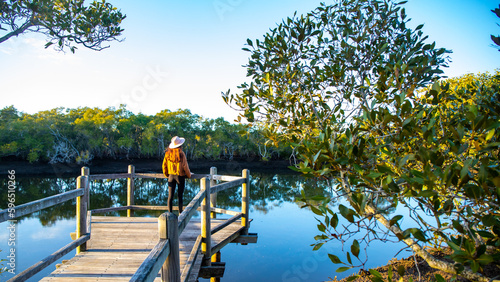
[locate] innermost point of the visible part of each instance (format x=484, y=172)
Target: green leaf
x=349, y=258
x=485, y=259
x=439, y=278
x=334, y=221
x=316, y=210
x=384, y=169
x=375, y=273
x=475, y=266
x=343, y=268
x=355, y=248
x=401, y=270
x=490, y=135
x=347, y=213
x=317, y=246
x=334, y=259
x=352, y=278
x=427, y=194
x=374, y=175
x=453, y=246
x=395, y=219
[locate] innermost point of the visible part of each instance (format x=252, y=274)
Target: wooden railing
x=83, y=233
x=165, y=255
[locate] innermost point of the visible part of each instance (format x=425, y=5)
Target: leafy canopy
x=343, y=86
x=64, y=22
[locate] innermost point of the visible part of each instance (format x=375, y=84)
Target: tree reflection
x=267, y=191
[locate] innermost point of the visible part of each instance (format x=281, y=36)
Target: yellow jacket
x=176, y=167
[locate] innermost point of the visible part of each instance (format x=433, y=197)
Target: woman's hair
x=173, y=155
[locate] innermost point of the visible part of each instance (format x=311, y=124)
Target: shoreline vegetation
x=86, y=135
x=416, y=268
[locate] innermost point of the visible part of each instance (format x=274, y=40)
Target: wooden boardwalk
x=167, y=248
x=119, y=245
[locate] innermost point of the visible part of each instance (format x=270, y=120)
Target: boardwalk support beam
x=213, y=197
x=245, y=202
x=168, y=229
x=81, y=211
x=206, y=244
x=130, y=190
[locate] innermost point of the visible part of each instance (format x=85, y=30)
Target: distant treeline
x=79, y=135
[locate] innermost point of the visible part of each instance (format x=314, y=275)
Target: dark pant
x=175, y=180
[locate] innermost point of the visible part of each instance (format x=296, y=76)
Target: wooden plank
x=119, y=245
x=34, y=269
x=226, y=223
x=219, y=210
x=41, y=204
x=160, y=175
x=190, y=263
x=186, y=215
x=110, y=176
x=229, y=178
x=246, y=239
x=223, y=186
x=152, y=264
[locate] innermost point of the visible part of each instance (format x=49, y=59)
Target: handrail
x=191, y=260
x=138, y=175
x=34, y=269
x=152, y=264
x=190, y=210
x=169, y=225
x=203, y=242
x=224, y=186
x=41, y=204
x=226, y=223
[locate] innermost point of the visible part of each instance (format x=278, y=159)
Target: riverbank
x=141, y=165
x=417, y=269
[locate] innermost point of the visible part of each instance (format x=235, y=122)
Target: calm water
x=283, y=251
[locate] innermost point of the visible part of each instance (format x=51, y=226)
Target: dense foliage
x=63, y=22
x=80, y=135
x=343, y=84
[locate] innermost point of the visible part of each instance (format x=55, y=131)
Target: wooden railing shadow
x=164, y=256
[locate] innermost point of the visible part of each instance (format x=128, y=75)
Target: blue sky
x=182, y=54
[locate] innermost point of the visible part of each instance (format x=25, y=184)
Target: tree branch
x=417, y=249
x=18, y=31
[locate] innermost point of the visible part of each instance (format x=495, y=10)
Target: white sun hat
x=176, y=142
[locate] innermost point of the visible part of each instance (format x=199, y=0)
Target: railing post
x=206, y=240
x=213, y=197
x=81, y=211
x=245, y=202
x=130, y=190
x=167, y=227
x=86, y=172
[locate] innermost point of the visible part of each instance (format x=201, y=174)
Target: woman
x=176, y=169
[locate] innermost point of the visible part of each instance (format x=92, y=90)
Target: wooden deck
x=119, y=245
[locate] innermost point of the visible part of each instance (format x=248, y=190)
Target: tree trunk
x=417, y=249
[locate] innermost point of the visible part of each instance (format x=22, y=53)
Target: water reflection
x=267, y=192
x=286, y=231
